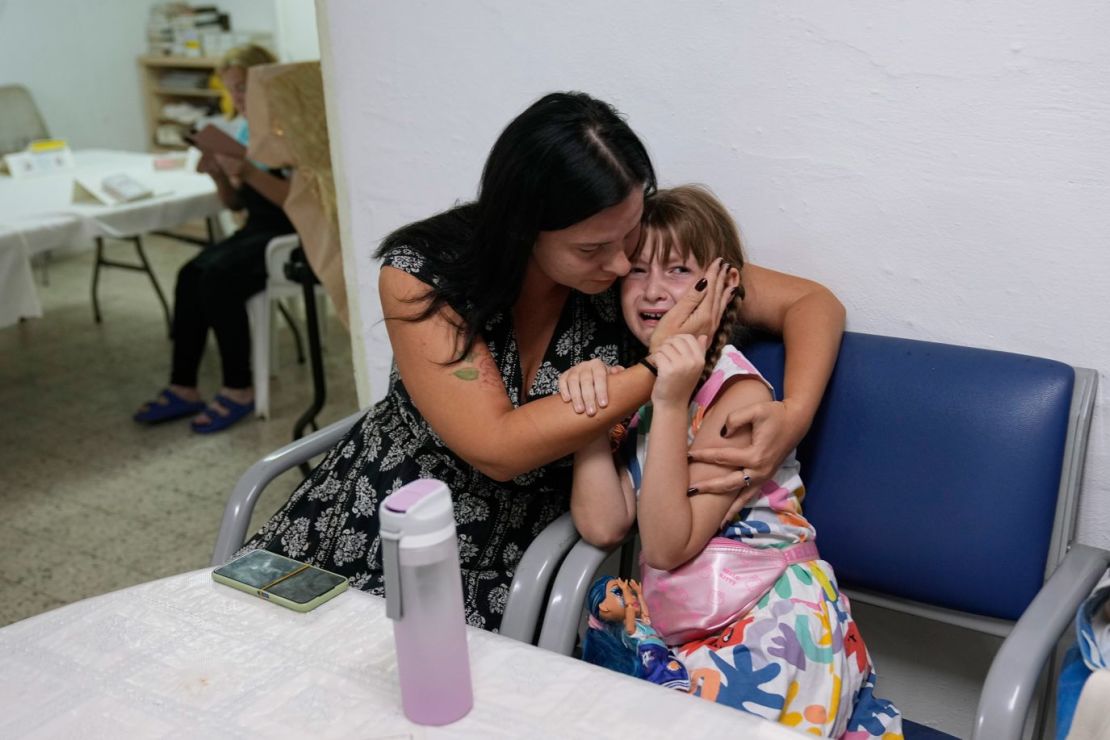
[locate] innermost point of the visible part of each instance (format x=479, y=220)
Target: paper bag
x=285, y=108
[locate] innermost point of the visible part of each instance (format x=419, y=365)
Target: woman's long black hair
x=564, y=159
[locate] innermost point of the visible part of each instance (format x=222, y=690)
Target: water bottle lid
x=408, y=496
x=422, y=507
x=416, y=518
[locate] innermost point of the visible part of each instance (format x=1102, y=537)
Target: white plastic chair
x=260, y=309
x=20, y=120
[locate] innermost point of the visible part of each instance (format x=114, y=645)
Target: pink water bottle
x=423, y=591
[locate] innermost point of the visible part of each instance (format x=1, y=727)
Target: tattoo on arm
x=480, y=368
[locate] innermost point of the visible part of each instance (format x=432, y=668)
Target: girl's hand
x=584, y=385
x=775, y=432
x=699, y=310
x=680, y=362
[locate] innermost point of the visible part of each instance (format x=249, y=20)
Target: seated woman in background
x=212, y=289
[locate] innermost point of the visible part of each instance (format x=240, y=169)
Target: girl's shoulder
x=732, y=364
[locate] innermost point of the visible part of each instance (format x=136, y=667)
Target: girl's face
x=235, y=80
x=590, y=255
x=652, y=287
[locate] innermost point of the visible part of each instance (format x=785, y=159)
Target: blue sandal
x=217, y=421
x=173, y=407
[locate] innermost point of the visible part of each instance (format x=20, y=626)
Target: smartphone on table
x=291, y=583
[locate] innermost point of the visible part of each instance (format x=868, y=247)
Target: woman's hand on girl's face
x=699, y=310
x=680, y=362
x=585, y=386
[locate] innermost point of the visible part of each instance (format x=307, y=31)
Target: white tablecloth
x=186, y=657
x=38, y=214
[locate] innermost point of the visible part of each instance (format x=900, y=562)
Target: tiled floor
x=91, y=501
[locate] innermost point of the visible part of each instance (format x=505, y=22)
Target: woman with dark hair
x=486, y=304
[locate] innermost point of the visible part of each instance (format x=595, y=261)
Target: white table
x=186, y=657
x=38, y=214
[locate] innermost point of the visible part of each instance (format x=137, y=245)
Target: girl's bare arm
x=674, y=526
x=602, y=502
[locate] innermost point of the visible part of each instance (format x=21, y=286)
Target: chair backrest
x=932, y=471
x=20, y=120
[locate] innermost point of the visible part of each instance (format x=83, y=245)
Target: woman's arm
x=225, y=189
x=466, y=402
x=675, y=526
x=811, y=322
x=238, y=170
x=602, y=502
x=274, y=189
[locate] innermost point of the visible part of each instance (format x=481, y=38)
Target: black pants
x=212, y=291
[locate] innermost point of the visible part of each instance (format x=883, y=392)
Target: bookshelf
x=169, y=79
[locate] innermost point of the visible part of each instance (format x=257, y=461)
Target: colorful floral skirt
x=797, y=658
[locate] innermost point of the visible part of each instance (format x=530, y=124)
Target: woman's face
x=590, y=255
x=651, y=287
x=235, y=80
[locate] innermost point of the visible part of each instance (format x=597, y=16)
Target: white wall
x=296, y=30
x=944, y=167
x=79, y=59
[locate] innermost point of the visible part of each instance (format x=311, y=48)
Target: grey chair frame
x=23, y=115
x=531, y=579
x=1072, y=571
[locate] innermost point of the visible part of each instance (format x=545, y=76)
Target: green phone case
x=290, y=583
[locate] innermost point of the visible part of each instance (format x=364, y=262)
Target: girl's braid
x=729, y=322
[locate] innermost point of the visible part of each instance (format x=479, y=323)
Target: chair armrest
x=1013, y=674
x=532, y=577
x=237, y=512
x=564, y=607
x=277, y=254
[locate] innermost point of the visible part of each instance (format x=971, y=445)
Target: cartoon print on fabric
x=740, y=683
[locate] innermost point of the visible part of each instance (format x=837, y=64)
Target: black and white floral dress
x=331, y=520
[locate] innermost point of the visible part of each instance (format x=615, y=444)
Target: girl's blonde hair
x=250, y=55
x=689, y=220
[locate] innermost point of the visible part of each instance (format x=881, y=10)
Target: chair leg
x=296, y=332
x=322, y=316
x=154, y=282
x=96, y=277
x=319, y=383
x=258, y=307
x=43, y=262
x=1046, y=700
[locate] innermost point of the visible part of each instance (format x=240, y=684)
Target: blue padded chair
x=943, y=481
x=531, y=579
